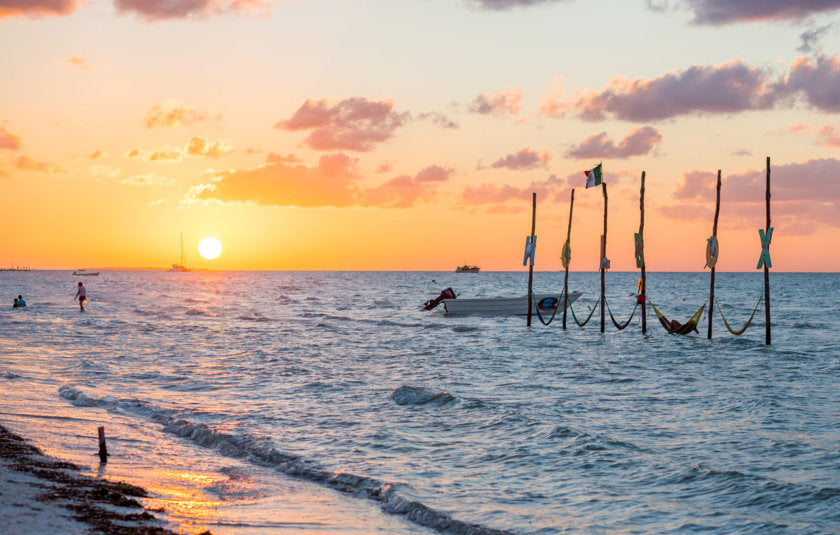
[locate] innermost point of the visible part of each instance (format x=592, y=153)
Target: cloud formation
x=508, y=101
x=80, y=62
x=169, y=114
x=8, y=141
x=198, y=146
x=804, y=195
x=637, y=142
x=155, y=10
x=818, y=80
x=37, y=8
x=25, y=163
x=829, y=136
x=166, y=154
x=502, y=5
x=333, y=182
x=731, y=87
x=720, y=12
x=492, y=194
x=147, y=180
x=523, y=160
x=727, y=88
x=354, y=124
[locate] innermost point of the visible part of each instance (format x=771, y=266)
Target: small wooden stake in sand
x=103, y=451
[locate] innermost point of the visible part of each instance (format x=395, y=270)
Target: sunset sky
x=410, y=134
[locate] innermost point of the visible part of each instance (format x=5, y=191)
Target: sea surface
x=269, y=402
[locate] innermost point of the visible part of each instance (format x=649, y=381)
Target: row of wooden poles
x=643, y=289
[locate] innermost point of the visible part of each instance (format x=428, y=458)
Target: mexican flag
x=593, y=177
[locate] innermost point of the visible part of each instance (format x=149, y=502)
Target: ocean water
x=264, y=402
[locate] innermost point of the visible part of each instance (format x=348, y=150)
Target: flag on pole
x=593, y=176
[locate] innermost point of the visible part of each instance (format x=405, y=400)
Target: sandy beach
x=42, y=494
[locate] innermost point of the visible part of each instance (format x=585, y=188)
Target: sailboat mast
x=183, y=257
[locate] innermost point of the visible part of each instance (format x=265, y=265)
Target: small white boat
x=546, y=302
x=466, y=268
x=84, y=273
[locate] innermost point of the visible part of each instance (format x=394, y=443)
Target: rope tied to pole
x=591, y=312
x=624, y=325
x=740, y=331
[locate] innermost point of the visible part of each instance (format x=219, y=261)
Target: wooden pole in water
x=603, y=254
x=103, y=451
x=641, y=237
x=566, y=278
x=531, y=269
x=712, y=283
x=766, y=267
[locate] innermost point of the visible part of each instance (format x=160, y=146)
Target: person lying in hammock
x=676, y=326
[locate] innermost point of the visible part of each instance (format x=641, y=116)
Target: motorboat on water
x=544, y=302
x=466, y=268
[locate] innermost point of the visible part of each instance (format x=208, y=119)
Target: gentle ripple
x=464, y=424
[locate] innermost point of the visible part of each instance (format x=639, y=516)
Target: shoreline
x=42, y=494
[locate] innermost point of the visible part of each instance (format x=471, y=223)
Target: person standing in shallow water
x=82, y=295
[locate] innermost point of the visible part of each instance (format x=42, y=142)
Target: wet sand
x=41, y=494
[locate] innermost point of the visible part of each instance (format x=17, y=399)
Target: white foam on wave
x=260, y=451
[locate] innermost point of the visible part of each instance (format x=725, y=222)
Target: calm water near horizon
x=264, y=402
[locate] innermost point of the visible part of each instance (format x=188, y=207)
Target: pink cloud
x=552, y=187
x=731, y=87
x=155, y=10
x=638, y=141
x=819, y=81
x=8, y=141
x=727, y=88
x=400, y=192
x=502, y=5
x=719, y=12
x=438, y=119
x=167, y=115
x=354, y=124
x=25, y=163
x=433, y=173
x=277, y=158
x=79, y=61
x=803, y=195
x=37, y=8
x=523, y=160
x=500, y=102
x=333, y=182
x=830, y=136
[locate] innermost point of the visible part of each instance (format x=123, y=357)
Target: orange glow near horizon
x=295, y=161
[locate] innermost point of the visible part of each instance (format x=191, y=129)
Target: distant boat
x=466, y=268
x=182, y=265
x=83, y=273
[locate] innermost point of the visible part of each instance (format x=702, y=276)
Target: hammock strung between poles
x=749, y=321
x=590, y=313
x=556, y=307
x=624, y=325
x=690, y=325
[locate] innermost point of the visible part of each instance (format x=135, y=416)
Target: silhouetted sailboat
x=182, y=265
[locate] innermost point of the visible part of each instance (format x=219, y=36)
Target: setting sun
x=210, y=248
